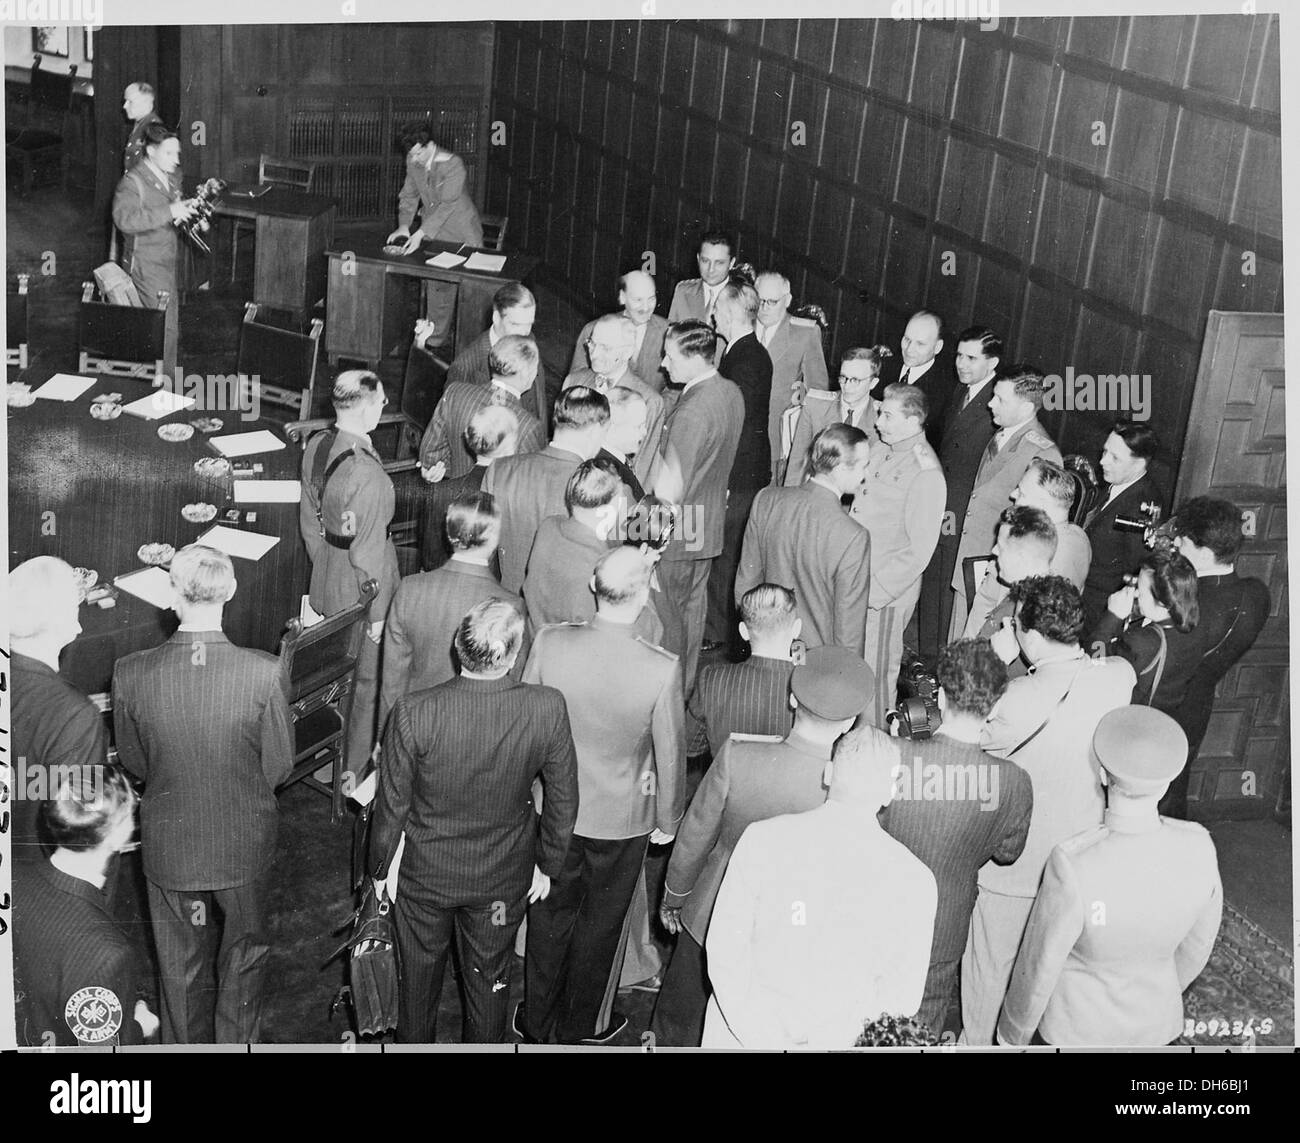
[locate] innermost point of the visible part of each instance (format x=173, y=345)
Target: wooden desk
x=364, y=315
x=293, y=232
x=91, y=492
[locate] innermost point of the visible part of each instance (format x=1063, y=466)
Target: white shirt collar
x=913, y=375
x=1116, y=489
x=493, y=336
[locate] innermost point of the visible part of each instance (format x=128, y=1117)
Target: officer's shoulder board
x=1179, y=826
x=657, y=649
x=1039, y=439
x=1086, y=840
x=545, y=627
x=770, y=739
x=925, y=457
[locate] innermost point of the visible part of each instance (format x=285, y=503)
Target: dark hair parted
x=990, y=342
x=1033, y=524
x=473, y=521
x=1212, y=523
x=1140, y=438
x=693, y=338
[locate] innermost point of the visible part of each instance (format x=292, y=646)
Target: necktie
x=992, y=450
x=602, y=382
x=904, y=378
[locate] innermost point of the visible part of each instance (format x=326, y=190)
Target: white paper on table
x=445, y=261
x=234, y=542
x=489, y=262
x=268, y=491
x=159, y=403
x=153, y=585
x=64, y=387
x=245, y=444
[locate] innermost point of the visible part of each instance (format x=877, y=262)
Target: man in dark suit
x=428, y=607
x=803, y=539
x=752, y=696
x=701, y=436
x=637, y=296
x=514, y=309
x=1125, y=458
x=920, y=365
x=967, y=431
x=625, y=703
x=753, y=778
x=977, y=810
x=695, y=299
x=628, y=414
x=610, y=347
x=513, y=365
x=531, y=487
x=747, y=364
x=1233, y=610
x=493, y=433
x=458, y=767
x=795, y=347
x=206, y=725
x=67, y=945
x=53, y=725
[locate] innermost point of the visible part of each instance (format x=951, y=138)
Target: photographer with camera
x=1116, y=526
x=950, y=826
x=1045, y=723
x=1208, y=534
x=1151, y=622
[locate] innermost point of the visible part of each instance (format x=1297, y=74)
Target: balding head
x=773, y=296
x=621, y=583
x=43, y=603
x=611, y=343
x=637, y=295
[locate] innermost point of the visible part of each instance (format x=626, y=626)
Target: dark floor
x=311, y=894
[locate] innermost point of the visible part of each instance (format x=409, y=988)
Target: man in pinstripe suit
x=751, y=697
x=206, y=725
x=458, y=766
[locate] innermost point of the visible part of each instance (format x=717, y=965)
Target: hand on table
x=400, y=234
x=413, y=243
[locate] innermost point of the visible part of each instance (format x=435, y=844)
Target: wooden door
x=1236, y=449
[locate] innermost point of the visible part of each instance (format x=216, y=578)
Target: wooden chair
x=317, y=670
x=494, y=230
x=37, y=146
x=973, y=570
x=16, y=325
x=120, y=340
x=281, y=363
x=293, y=174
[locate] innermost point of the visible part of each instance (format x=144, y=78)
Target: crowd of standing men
x=537, y=690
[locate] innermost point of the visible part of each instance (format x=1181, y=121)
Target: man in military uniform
x=901, y=505
x=137, y=102
x=1127, y=913
x=346, y=507
x=753, y=778
x=1017, y=399
x=697, y=297
x=624, y=697
x=795, y=347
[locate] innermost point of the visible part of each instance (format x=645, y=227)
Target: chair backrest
x=292, y=173
x=494, y=230
x=1087, y=486
x=973, y=571
x=282, y=362
x=315, y=659
x=52, y=91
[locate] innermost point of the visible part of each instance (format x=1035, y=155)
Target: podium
x=364, y=311
x=293, y=231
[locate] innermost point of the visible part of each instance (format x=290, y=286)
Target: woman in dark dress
x=1149, y=624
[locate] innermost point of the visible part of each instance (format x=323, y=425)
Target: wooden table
x=91, y=492
x=293, y=232
x=364, y=315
